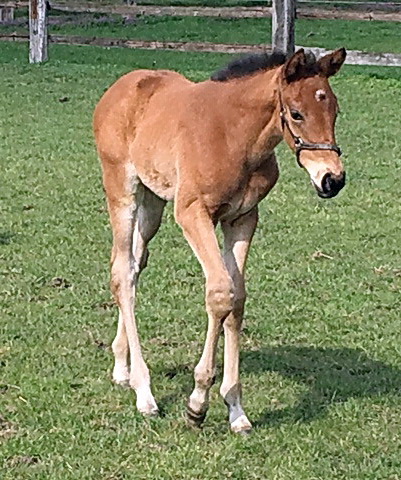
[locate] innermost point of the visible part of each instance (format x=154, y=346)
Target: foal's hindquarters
x=135, y=216
x=147, y=162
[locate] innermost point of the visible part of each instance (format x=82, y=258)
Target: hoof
x=147, y=405
x=195, y=419
x=241, y=426
x=153, y=413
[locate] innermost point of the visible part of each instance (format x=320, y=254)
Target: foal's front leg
x=198, y=229
x=237, y=239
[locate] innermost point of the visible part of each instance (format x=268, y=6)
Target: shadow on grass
x=6, y=237
x=332, y=375
x=182, y=378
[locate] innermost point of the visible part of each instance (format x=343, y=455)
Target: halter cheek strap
x=301, y=145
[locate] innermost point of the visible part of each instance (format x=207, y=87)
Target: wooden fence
x=306, y=9
x=283, y=12
x=354, y=57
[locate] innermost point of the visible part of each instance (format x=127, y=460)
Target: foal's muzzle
x=331, y=185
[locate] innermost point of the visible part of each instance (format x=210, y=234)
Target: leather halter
x=301, y=145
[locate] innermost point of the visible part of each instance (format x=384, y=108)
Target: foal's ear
x=330, y=64
x=295, y=66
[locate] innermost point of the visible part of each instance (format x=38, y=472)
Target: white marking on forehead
x=320, y=95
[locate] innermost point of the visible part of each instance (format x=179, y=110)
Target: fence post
x=283, y=23
x=37, y=31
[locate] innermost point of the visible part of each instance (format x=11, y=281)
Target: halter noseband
x=301, y=145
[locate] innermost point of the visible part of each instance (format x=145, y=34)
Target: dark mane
x=248, y=65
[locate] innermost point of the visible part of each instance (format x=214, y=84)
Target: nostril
x=327, y=183
x=332, y=183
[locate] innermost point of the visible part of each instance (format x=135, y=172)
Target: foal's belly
x=163, y=184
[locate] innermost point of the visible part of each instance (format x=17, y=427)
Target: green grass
x=354, y=35
x=321, y=361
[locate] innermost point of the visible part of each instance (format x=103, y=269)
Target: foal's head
x=308, y=114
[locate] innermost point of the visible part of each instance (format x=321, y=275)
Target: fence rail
x=354, y=57
x=224, y=12
x=351, y=3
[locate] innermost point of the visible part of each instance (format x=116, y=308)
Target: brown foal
x=209, y=147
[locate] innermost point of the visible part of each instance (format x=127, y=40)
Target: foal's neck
x=252, y=112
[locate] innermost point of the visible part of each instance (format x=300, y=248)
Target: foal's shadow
x=331, y=375
x=6, y=238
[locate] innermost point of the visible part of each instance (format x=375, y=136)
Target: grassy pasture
x=321, y=361
x=357, y=35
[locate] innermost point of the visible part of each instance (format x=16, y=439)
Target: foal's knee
x=234, y=320
x=204, y=378
x=220, y=298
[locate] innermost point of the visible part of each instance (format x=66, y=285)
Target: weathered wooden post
x=37, y=31
x=283, y=22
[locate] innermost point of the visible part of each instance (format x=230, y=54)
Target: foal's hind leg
x=237, y=239
x=123, y=192
x=147, y=222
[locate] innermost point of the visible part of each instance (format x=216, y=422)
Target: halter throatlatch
x=301, y=145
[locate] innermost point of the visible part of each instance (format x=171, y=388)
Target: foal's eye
x=295, y=115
